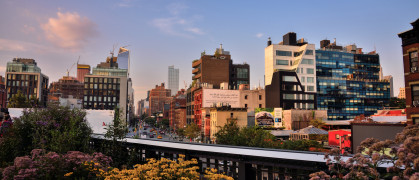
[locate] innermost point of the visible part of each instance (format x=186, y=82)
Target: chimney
x=269, y=41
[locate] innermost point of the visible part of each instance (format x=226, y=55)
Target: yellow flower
x=68, y=174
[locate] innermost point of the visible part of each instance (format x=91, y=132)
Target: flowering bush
x=164, y=169
x=402, y=154
x=57, y=129
x=43, y=165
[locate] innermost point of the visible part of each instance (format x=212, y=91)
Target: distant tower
x=124, y=59
x=173, y=80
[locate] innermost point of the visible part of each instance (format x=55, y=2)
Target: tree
x=116, y=131
x=181, y=132
x=33, y=101
x=18, y=100
x=192, y=131
x=150, y=121
x=229, y=133
x=164, y=123
x=399, y=103
x=400, y=155
x=318, y=123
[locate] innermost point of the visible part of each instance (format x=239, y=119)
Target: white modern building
x=389, y=78
x=173, y=80
x=295, y=56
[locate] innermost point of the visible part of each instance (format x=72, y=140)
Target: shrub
x=57, y=129
x=43, y=165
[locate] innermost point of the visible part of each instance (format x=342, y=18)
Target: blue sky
x=163, y=33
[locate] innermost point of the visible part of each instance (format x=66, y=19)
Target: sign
x=268, y=117
x=214, y=96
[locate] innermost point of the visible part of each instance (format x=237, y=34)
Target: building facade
x=348, y=82
x=220, y=115
x=65, y=87
x=3, y=94
x=82, y=70
x=290, y=74
x=389, y=78
x=410, y=46
x=173, y=80
x=24, y=75
x=159, y=96
x=402, y=93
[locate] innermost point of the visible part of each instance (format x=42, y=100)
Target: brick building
x=410, y=45
x=65, y=87
x=159, y=96
x=82, y=70
x=2, y=92
x=177, y=102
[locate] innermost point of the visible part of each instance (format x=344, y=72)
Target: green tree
x=150, y=121
x=163, y=124
x=192, y=131
x=398, y=103
x=181, y=132
x=116, y=132
x=18, y=100
x=256, y=137
x=229, y=133
x=318, y=123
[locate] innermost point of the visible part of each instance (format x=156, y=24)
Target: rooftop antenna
x=221, y=48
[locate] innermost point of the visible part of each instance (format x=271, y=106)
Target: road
x=141, y=130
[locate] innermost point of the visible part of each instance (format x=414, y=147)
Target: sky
x=161, y=33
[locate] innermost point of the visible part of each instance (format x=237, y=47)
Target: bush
x=43, y=165
x=57, y=129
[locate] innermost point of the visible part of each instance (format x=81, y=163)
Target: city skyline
x=160, y=34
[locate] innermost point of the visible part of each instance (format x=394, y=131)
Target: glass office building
x=348, y=83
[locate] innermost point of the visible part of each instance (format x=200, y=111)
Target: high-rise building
x=219, y=68
x=389, y=78
x=290, y=74
x=108, y=87
x=410, y=44
x=24, y=75
x=402, y=93
x=348, y=82
x=124, y=59
x=82, y=70
x=173, y=80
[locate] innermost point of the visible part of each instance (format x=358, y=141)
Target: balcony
x=196, y=76
x=196, y=70
x=196, y=63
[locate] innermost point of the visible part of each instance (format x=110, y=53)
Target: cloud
x=2, y=69
x=177, y=25
x=27, y=29
x=259, y=35
x=69, y=30
x=19, y=46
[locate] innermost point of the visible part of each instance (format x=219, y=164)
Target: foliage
x=399, y=103
x=116, y=132
x=403, y=158
x=163, y=124
x=43, y=165
x=192, y=131
x=231, y=134
x=18, y=100
x=164, y=169
x=150, y=121
x=318, y=123
x=181, y=132
x=57, y=129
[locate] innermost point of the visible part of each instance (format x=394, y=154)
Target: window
x=303, y=79
x=260, y=105
x=281, y=62
x=302, y=70
x=310, y=88
x=309, y=52
x=245, y=105
x=260, y=97
x=283, y=53
x=413, y=56
x=310, y=79
x=242, y=72
x=245, y=97
x=415, y=95
x=298, y=53
x=288, y=96
x=310, y=97
x=289, y=78
x=307, y=61
x=310, y=71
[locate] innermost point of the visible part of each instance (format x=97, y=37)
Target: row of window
x=298, y=96
x=100, y=99
x=101, y=80
x=289, y=53
x=308, y=70
x=286, y=62
x=101, y=86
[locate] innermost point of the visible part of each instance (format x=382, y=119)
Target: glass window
x=307, y=61
x=281, y=62
x=260, y=97
x=245, y=97
x=311, y=97
x=413, y=56
x=242, y=72
x=310, y=79
x=297, y=53
x=309, y=52
x=303, y=79
x=310, y=71
x=283, y=53
x=289, y=78
x=288, y=96
x=310, y=88
x=302, y=70
x=415, y=95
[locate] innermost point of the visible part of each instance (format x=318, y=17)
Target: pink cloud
x=69, y=30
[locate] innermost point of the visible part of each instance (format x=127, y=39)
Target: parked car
x=159, y=137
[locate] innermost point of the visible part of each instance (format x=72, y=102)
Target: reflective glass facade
x=348, y=84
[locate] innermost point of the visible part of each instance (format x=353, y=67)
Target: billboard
x=214, y=96
x=268, y=117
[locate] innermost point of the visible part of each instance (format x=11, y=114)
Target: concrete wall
x=219, y=119
x=382, y=132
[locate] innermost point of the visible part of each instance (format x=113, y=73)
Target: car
x=144, y=133
x=159, y=137
x=151, y=136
